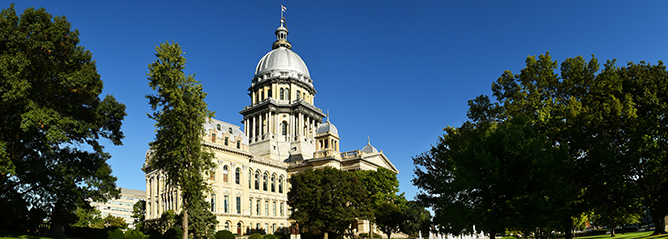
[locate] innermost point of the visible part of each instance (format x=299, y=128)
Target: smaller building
x=121, y=207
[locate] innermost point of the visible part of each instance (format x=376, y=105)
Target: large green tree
x=52, y=118
x=328, y=200
x=418, y=219
x=139, y=215
x=180, y=112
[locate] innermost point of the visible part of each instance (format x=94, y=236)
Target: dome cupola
x=368, y=148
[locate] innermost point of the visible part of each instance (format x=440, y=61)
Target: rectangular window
x=226, y=204
x=266, y=208
x=227, y=139
x=274, y=208
x=238, y=205
x=281, y=209
x=213, y=202
x=258, y=207
x=250, y=206
x=213, y=138
x=213, y=176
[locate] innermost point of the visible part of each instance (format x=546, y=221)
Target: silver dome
x=327, y=127
x=283, y=60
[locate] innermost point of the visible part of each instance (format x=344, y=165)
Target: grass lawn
x=4, y=234
x=628, y=235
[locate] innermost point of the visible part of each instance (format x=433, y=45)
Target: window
x=273, y=183
x=266, y=226
x=237, y=176
x=281, y=209
x=238, y=205
x=238, y=144
x=280, y=184
x=299, y=95
x=266, y=208
x=273, y=207
x=213, y=202
x=257, y=207
x=213, y=138
x=257, y=226
x=212, y=174
x=229, y=130
x=227, y=226
x=269, y=93
x=225, y=173
x=227, y=139
x=257, y=180
x=226, y=204
x=218, y=127
x=284, y=128
x=282, y=94
x=264, y=181
x=250, y=175
x=250, y=206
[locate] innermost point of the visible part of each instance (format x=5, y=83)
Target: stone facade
x=121, y=207
x=283, y=134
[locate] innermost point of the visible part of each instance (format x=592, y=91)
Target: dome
x=368, y=148
x=282, y=60
x=327, y=127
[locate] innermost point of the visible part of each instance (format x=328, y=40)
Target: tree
x=139, y=213
x=388, y=217
x=381, y=186
x=52, y=118
x=418, y=219
x=114, y=221
x=89, y=217
x=489, y=175
x=327, y=200
x=180, y=113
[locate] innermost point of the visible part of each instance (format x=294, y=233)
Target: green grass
x=4, y=234
x=628, y=235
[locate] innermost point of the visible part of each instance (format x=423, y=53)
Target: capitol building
x=283, y=133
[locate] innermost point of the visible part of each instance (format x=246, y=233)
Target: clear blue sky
x=397, y=71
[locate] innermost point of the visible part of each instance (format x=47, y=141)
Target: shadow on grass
x=5, y=234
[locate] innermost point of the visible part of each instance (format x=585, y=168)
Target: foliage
x=114, y=221
x=381, y=185
x=138, y=213
x=173, y=233
x=134, y=234
x=224, y=234
x=202, y=222
x=256, y=236
x=89, y=217
x=610, y=125
x=269, y=236
x=417, y=218
x=328, y=200
x=388, y=218
x=115, y=233
x=180, y=112
x=52, y=119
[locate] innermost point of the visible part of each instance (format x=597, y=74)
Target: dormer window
x=218, y=127
x=230, y=130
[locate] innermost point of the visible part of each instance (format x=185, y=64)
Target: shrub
x=115, y=233
x=173, y=233
x=269, y=236
x=224, y=234
x=134, y=234
x=154, y=234
x=256, y=236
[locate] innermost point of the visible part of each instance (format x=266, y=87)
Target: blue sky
x=396, y=71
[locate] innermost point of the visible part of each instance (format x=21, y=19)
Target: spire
x=282, y=33
x=327, y=115
x=368, y=140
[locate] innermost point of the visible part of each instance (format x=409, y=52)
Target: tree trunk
x=185, y=221
x=569, y=229
x=659, y=221
x=492, y=234
x=612, y=232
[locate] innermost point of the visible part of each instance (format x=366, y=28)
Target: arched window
x=284, y=128
x=282, y=94
x=225, y=169
x=299, y=95
x=273, y=184
x=257, y=180
x=238, y=144
x=264, y=181
x=280, y=184
x=227, y=226
x=250, y=175
x=237, y=176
